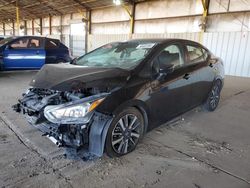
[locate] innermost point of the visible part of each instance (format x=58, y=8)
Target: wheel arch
x=139, y=105
x=102, y=122
x=220, y=79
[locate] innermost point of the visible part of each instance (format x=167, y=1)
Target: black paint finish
x=159, y=97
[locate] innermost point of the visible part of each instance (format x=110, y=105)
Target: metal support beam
x=16, y=4
x=17, y=17
x=4, y=32
x=25, y=27
x=228, y=5
x=33, y=28
x=61, y=28
x=50, y=24
x=81, y=4
x=13, y=28
x=131, y=17
x=50, y=7
x=205, y=4
x=89, y=22
x=41, y=26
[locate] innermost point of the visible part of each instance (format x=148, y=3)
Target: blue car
x=31, y=52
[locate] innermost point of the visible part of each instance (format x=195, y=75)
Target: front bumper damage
x=90, y=136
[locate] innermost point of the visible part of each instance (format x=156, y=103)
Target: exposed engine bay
x=45, y=109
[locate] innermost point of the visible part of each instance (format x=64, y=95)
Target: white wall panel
x=169, y=8
x=109, y=15
x=66, y=19
x=111, y=28
x=96, y=41
x=229, y=22
x=171, y=25
x=77, y=45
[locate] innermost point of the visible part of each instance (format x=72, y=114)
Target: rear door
x=24, y=53
x=198, y=61
x=55, y=52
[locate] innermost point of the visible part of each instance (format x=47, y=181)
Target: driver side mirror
x=165, y=70
x=169, y=68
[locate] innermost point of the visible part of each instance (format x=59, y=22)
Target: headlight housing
x=76, y=112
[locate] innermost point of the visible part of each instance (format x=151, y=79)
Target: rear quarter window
x=52, y=44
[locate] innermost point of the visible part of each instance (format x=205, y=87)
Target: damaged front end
x=69, y=119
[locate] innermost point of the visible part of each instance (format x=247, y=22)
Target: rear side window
x=51, y=44
x=35, y=43
x=195, y=54
x=20, y=43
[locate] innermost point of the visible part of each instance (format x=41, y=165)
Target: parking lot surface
x=198, y=149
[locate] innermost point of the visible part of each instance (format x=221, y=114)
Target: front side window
x=21, y=43
x=170, y=56
x=123, y=55
x=35, y=43
x=195, y=54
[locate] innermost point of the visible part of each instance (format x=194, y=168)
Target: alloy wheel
x=126, y=134
x=215, y=96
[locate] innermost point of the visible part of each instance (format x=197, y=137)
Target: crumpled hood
x=67, y=77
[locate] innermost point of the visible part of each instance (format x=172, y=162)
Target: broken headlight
x=77, y=112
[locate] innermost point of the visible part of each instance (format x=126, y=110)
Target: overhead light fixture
x=117, y=2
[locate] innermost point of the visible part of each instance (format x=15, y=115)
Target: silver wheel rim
x=215, y=96
x=126, y=134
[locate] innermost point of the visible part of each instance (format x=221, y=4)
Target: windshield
x=6, y=40
x=123, y=55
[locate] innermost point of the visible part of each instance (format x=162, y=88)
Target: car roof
x=161, y=40
x=165, y=40
x=43, y=37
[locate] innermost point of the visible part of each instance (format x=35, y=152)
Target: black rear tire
x=124, y=133
x=213, y=96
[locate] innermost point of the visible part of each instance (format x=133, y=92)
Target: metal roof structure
x=32, y=9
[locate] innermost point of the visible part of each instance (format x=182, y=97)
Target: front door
x=24, y=53
x=171, y=94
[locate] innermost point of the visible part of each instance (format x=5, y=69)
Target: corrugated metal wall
x=232, y=47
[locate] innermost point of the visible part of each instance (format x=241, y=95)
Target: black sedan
x=109, y=98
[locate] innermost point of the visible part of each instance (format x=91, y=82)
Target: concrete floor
x=199, y=149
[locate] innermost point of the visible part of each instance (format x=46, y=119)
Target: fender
x=98, y=132
x=140, y=105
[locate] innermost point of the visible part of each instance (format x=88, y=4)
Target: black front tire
x=213, y=97
x=124, y=133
